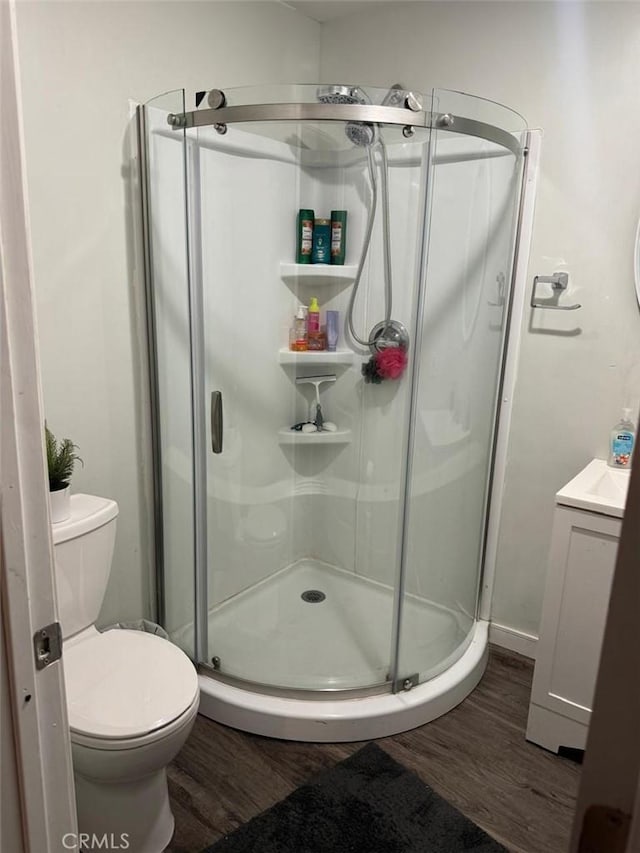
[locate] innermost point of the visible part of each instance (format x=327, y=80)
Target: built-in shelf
x=292, y=436
x=340, y=356
x=317, y=274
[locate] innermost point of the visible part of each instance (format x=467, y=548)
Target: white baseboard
x=514, y=640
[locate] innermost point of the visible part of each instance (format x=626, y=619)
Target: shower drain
x=313, y=596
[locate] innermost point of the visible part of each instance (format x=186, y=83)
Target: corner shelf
x=340, y=356
x=291, y=436
x=317, y=274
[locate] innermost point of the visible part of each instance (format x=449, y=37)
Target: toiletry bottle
x=321, y=241
x=300, y=330
x=313, y=319
x=332, y=330
x=338, y=235
x=623, y=439
x=305, y=236
x=316, y=339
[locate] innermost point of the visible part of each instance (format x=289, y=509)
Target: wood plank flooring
x=476, y=757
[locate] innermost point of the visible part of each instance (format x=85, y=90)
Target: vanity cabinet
x=586, y=531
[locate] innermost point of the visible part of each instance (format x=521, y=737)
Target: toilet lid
x=123, y=684
x=88, y=512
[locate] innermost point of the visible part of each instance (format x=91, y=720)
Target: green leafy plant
x=61, y=458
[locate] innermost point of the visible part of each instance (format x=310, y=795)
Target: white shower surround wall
x=320, y=511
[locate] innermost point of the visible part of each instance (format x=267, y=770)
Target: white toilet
x=132, y=697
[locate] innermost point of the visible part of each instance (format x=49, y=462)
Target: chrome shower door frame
x=365, y=113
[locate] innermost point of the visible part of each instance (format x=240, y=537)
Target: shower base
x=271, y=635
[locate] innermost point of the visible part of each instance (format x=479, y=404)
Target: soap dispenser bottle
x=299, y=339
x=623, y=439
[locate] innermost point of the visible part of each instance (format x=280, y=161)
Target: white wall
x=80, y=63
x=574, y=69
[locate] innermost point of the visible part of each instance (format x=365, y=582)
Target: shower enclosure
x=327, y=583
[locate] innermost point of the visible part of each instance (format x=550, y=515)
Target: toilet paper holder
x=559, y=282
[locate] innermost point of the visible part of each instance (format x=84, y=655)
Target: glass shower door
x=302, y=530
x=254, y=541
x=284, y=608
x=475, y=190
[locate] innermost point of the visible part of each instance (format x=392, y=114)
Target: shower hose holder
x=388, y=343
x=388, y=334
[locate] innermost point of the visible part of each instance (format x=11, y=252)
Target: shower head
x=341, y=95
x=357, y=132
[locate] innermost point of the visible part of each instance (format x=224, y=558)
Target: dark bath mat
x=366, y=804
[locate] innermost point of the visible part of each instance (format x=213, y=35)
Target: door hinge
x=47, y=645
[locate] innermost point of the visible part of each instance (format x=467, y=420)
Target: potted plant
x=61, y=457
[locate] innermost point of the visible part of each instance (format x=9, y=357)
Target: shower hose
x=388, y=290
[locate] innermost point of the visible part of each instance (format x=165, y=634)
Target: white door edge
x=37, y=697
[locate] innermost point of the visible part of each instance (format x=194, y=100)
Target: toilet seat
x=127, y=686
x=80, y=739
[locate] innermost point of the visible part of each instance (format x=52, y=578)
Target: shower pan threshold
x=356, y=641
x=327, y=721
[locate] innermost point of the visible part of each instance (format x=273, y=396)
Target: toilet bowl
x=132, y=697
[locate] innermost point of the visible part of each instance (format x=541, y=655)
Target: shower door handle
x=216, y=421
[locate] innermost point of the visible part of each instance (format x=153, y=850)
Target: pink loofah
x=391, y=362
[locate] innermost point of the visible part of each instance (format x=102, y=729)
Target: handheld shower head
x=360, y=133
x=357, y=132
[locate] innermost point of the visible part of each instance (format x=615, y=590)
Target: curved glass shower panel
x=303, y=529
x=169, y=314
x=475, y=190
x=494, y=120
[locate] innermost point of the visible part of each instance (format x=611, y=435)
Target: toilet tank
x=83, y=549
